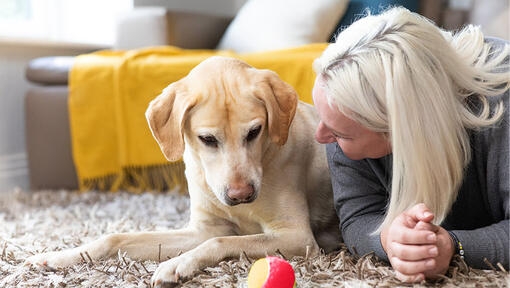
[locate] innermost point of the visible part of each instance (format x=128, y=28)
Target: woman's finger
x=413, y=252
x=420, y=212
x=412, y=267
x=421, y=225
x=404, y=235
x=410, y=278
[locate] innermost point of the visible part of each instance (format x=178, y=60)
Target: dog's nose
x=239, y=193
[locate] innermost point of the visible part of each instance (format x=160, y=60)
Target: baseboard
x=13, y=171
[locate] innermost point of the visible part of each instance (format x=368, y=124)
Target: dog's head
x=226, y=113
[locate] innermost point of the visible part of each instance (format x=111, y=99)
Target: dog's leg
x=216, y=249
x=158, y=246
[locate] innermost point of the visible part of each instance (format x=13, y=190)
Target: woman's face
x=356, y=141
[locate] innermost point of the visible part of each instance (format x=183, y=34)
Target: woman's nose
x=323, y=135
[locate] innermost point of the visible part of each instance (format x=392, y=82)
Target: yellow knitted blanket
x=113, y=148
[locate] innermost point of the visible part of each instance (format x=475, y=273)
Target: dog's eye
x=209, y=140
x=253, y=134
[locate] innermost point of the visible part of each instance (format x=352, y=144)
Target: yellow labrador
x=257, y=180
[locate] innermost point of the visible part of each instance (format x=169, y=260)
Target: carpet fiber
x=32, y=222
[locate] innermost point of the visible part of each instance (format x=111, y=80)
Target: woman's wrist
x=457, y=245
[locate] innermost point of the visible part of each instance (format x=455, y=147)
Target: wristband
x=459, y=250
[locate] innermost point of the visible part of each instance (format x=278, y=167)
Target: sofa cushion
x=49, y=70
x=274, y=24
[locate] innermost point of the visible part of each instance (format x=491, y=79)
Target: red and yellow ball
x=271, y=272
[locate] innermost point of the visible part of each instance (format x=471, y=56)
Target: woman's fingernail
x=429, y=263
x=433, y=251
x=431, y=237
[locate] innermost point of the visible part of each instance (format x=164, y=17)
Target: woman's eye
x=253, y=134
x=209, y=140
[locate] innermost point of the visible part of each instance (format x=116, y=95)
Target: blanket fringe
x=137, y=179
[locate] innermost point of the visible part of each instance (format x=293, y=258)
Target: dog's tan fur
x=257, y=180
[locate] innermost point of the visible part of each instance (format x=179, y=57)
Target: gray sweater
x=479, y=217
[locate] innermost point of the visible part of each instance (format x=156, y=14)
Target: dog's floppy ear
x=281, y=102
x=165, y=115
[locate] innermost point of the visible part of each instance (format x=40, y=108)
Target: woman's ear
x=165, y=116
x=281, y=102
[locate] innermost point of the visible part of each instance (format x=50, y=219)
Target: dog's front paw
x=53, y=260
x=171, y=271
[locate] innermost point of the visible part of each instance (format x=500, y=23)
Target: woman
x=416, y=122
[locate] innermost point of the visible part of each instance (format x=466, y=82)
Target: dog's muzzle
x=238, y=194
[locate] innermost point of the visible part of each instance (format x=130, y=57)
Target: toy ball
x=271, y=272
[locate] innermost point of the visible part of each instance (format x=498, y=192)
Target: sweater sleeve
x=486, y=244
x=491, y=156
x=360, y=200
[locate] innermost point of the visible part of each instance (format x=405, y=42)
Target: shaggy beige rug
x=32, y=222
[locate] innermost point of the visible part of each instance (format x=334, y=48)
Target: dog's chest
x=244, y=220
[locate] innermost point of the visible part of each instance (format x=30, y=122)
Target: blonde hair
x=399, y=74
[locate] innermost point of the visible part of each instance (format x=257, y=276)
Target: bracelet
x=459, y=250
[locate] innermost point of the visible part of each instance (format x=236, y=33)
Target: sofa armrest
x=155, y=26
x=51, y=70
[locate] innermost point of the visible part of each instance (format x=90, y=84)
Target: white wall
x=493, y=16
x=14, y=57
